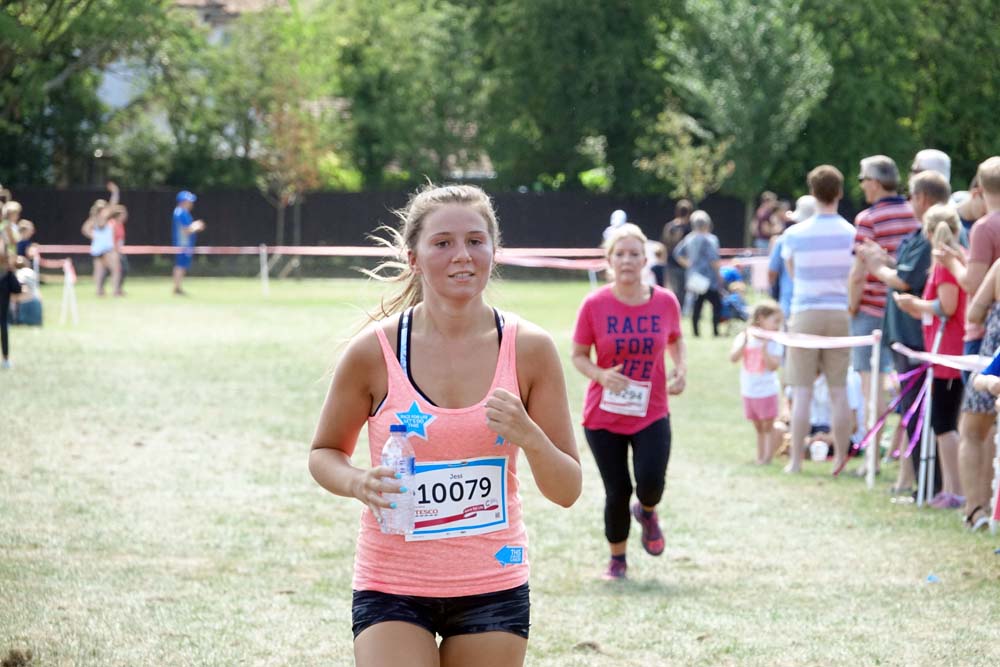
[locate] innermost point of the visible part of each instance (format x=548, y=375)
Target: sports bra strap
x=404, y=333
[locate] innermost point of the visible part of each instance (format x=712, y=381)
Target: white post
x=593, y=278
x=264, y=284
x=69, y=293
x=925, y=477
x=871, y=456
x=928, y=445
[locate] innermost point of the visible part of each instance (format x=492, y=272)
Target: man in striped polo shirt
x=818, y=256
x=887, y=222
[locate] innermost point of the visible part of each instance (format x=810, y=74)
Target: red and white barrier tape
x=584, y=259
x=972, y=363
x=811, y=341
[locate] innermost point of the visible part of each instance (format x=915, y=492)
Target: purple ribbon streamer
x=918, y=431
x=911, y=378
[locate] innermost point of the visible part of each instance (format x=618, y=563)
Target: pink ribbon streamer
x=910, y=377
x=812, y=341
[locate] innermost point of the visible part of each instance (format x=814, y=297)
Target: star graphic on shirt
x=416, y=421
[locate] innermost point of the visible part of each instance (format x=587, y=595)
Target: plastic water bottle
x=397, y=453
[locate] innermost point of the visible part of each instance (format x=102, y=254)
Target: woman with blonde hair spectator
x=942, y=309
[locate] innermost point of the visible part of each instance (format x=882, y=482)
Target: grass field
x=156, y=509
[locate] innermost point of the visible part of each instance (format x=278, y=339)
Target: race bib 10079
x=459, y=498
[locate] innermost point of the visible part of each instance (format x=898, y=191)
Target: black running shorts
x=503, y=611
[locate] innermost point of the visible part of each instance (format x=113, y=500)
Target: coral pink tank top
x=472, y=538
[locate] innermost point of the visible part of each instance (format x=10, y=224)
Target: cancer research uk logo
x=416, y=422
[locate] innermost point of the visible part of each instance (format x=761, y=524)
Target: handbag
x=697, y=283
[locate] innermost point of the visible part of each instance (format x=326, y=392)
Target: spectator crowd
x=921, y=265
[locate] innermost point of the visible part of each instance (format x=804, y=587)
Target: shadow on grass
x=639, y=588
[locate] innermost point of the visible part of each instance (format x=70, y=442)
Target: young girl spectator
x=759, y=383
x=478, y=388
x=101, y=233
x=943, y=304
x=631, y=327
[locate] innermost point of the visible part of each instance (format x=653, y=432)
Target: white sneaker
x=5, y=364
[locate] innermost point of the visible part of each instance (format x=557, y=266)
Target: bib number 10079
x=456, y=491
x=457, y=498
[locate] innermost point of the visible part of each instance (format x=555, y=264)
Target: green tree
x=406, y=74
x=51, y=56
x=562, y=71
x=753, y=70
x=686, y=157
x=869, y=106
x=904, y=79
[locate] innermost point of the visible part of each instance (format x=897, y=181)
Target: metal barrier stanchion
x=928, y=445
x=264, y=273
x=871, y=456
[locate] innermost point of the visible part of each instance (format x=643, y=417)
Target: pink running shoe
x=947, y=501
x=941, y=501
x=616, y=570
x=652, y=536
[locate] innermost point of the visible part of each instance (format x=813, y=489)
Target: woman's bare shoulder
x=363, y=349
x=533, y=342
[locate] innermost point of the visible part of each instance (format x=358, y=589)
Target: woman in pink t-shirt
x=943, y=301
x=474, y=387
x=630, y=326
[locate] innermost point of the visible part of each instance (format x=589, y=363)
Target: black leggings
x=714, y=298
x=650, y=455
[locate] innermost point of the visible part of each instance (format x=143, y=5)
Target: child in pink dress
x=759, y=384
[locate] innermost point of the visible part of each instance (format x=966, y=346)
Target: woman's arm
x=539, y=422
x=986, y=294
x=88, y=228
x=608, y=378
x=348, y=404
x=680, y=252
x=677, y=379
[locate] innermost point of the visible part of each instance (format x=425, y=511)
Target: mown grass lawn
x=155, y=508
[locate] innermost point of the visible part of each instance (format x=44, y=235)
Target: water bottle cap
x=397, y=428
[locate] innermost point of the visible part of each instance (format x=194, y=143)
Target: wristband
x=936, y=305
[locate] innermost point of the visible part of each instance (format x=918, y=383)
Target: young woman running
x=475, y=387
x=631, y=326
